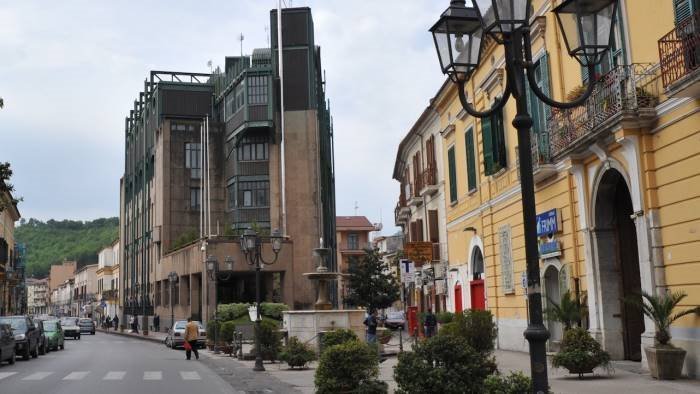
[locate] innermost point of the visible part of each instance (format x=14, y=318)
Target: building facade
x=11, y=273
x=252, y=182
x=616, y=181
x=420, y=211
x=85, y=291
x=353, y=238
x=107, y=276
x=38, y=296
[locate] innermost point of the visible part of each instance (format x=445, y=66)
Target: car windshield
x=395, y=315
x=180, y=325
x=84, y=321
x=69, y=322
x=51, y=325
x=16, y=323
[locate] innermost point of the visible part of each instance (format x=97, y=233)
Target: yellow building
x=617, y=181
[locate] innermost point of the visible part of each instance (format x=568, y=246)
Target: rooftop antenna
x=241, y=38
x=356, y=208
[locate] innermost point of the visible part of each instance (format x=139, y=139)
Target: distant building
x=10, y=279
x=84, y=292
x=161, y=190
x=60, y=272
x=38, y=296
x=107, y=276
x=353, y=239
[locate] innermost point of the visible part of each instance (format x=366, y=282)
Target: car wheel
x=78, y=337
x=12, y=358
x=42, y=350
x=62, y=347
x=27, y=354
x=35, y=353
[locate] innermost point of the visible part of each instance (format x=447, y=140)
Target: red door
x=477, y=294
x=458, y=298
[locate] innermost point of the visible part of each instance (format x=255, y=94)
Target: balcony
x=542, y=165
x=429, y=181
x=402, y=212
x=626, y=94
x=413, y=193
x=679, y=56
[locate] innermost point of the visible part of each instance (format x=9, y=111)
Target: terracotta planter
x=665, y=362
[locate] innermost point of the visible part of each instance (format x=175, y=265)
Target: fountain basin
x=306, y=324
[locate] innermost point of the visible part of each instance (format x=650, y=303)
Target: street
x=110, y=364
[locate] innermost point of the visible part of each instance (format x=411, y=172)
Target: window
x=471, y=159
x=234, y=101
x=353, y=241
x=257, y=90
x=231, y=190
x=452, y=173
x=683, y=9
x=195, y=198
x=253, y=148
x=494, y=141
x=254, y=194
x=176, y=126
x=538, y=110
x=193, y=153
x=615, y=56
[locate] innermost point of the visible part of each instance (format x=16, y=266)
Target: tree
x=372, y=284
x=659, y=308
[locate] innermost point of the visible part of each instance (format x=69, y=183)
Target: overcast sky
x=70, y=70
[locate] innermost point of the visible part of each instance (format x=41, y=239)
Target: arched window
x=477, y=264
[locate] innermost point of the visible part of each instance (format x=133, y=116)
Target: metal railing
x=627, y=89
x=418, y=180
x=679, y=54
x=429, y=176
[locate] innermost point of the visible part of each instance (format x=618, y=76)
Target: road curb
x=125, y=334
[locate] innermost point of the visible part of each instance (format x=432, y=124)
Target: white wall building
x=107, y=276
x=38, y=296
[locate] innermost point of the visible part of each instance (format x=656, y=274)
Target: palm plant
x=659, y=308
x=568, y=311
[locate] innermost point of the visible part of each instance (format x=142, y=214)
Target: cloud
x=71, y=71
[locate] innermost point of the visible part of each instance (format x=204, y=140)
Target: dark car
x=27, y=336
x=55, y=334
x=44, y=340
x=395, y=320
x=7, y=344
x=87, y=326
x=70, y=327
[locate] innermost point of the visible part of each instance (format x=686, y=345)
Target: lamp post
x=172, y=278
x=459, y=34
x=213, y=272
x=251, y=245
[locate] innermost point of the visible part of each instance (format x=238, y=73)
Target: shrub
x=373, y=386
x=273, y=310
x=445, y=317
x=270, y=340
x=337, y=337
x=297, y=353
x=231, y=311
x=568, y=311
x=226, y=331
x=476, y=327
x=580, y=353
x=346, y=368
x=213, y=327
x=514, y=383
x=443, y=364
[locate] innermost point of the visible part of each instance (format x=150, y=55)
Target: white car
x=176, y=335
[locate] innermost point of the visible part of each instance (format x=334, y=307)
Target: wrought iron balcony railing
x=429, y=176
x=679, y=50
x=629, y=91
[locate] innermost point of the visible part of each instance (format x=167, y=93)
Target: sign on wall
x=506, y=259
x=549, y=222
x=419, y=252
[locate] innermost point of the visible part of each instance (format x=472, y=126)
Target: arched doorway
x=476, y=286
x=618, y=267
x=553, y=294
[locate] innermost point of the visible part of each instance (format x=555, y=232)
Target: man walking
x=191, y=333
x=116, y=322
x=371, y=323
x=430, y=324
x=156, y=322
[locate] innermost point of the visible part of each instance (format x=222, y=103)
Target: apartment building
x=353, y=238
x=260, y=176
x=11, y=277
x=38, y=296
x=85, y=290
x=107, y=276
x=617, y=181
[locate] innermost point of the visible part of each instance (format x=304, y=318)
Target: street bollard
x=401, y=339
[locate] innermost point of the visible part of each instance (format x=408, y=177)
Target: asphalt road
x=109, y=364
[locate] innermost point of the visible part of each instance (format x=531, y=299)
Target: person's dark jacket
x=371, y=323
x=430, y=320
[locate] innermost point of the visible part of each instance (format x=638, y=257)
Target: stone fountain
x=306, y=325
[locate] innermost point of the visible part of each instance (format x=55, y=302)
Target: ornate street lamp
x=212, y=266
x=587, y=26
x=251, y=245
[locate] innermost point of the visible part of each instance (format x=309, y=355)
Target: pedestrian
x=116, y=322
x=371, y=323
x=191, y=334
x=430, y=323
x=156, y=322
x=135, y=325
x=108, y=322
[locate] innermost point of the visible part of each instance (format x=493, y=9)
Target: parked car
x=27, y=336
x=87, y=326
x=395, y=320
x=70, y=327
x=176, y=335
x=43, y=340
x=54, y=332
x=7, y=344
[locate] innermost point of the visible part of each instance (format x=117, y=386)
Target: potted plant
x=383, y=335
x=665, y=360
x=580, y=353
x=568, y=311
x=297, y=353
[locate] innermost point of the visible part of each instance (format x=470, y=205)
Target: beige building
x=85, y=291
x=38, y=296
x=60, y=272
x=353, y=237
x=9, y=280
x=107, y=277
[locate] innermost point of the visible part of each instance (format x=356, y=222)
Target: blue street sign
x=548, y=223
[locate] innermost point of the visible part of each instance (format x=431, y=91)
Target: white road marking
x=4, y=375
x=79, y=375
x=190, y=375
x=152, y=375
x=114, y=375
x=37, y=376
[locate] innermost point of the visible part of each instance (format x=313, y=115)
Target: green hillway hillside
x=54, y=241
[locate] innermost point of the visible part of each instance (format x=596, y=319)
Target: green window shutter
x=499, y=141
x=487, y=142
x=453, y=174
x=683, y=9
x=471, y=160
x=544, y=73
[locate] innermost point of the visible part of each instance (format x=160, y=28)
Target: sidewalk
x=152, y=336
